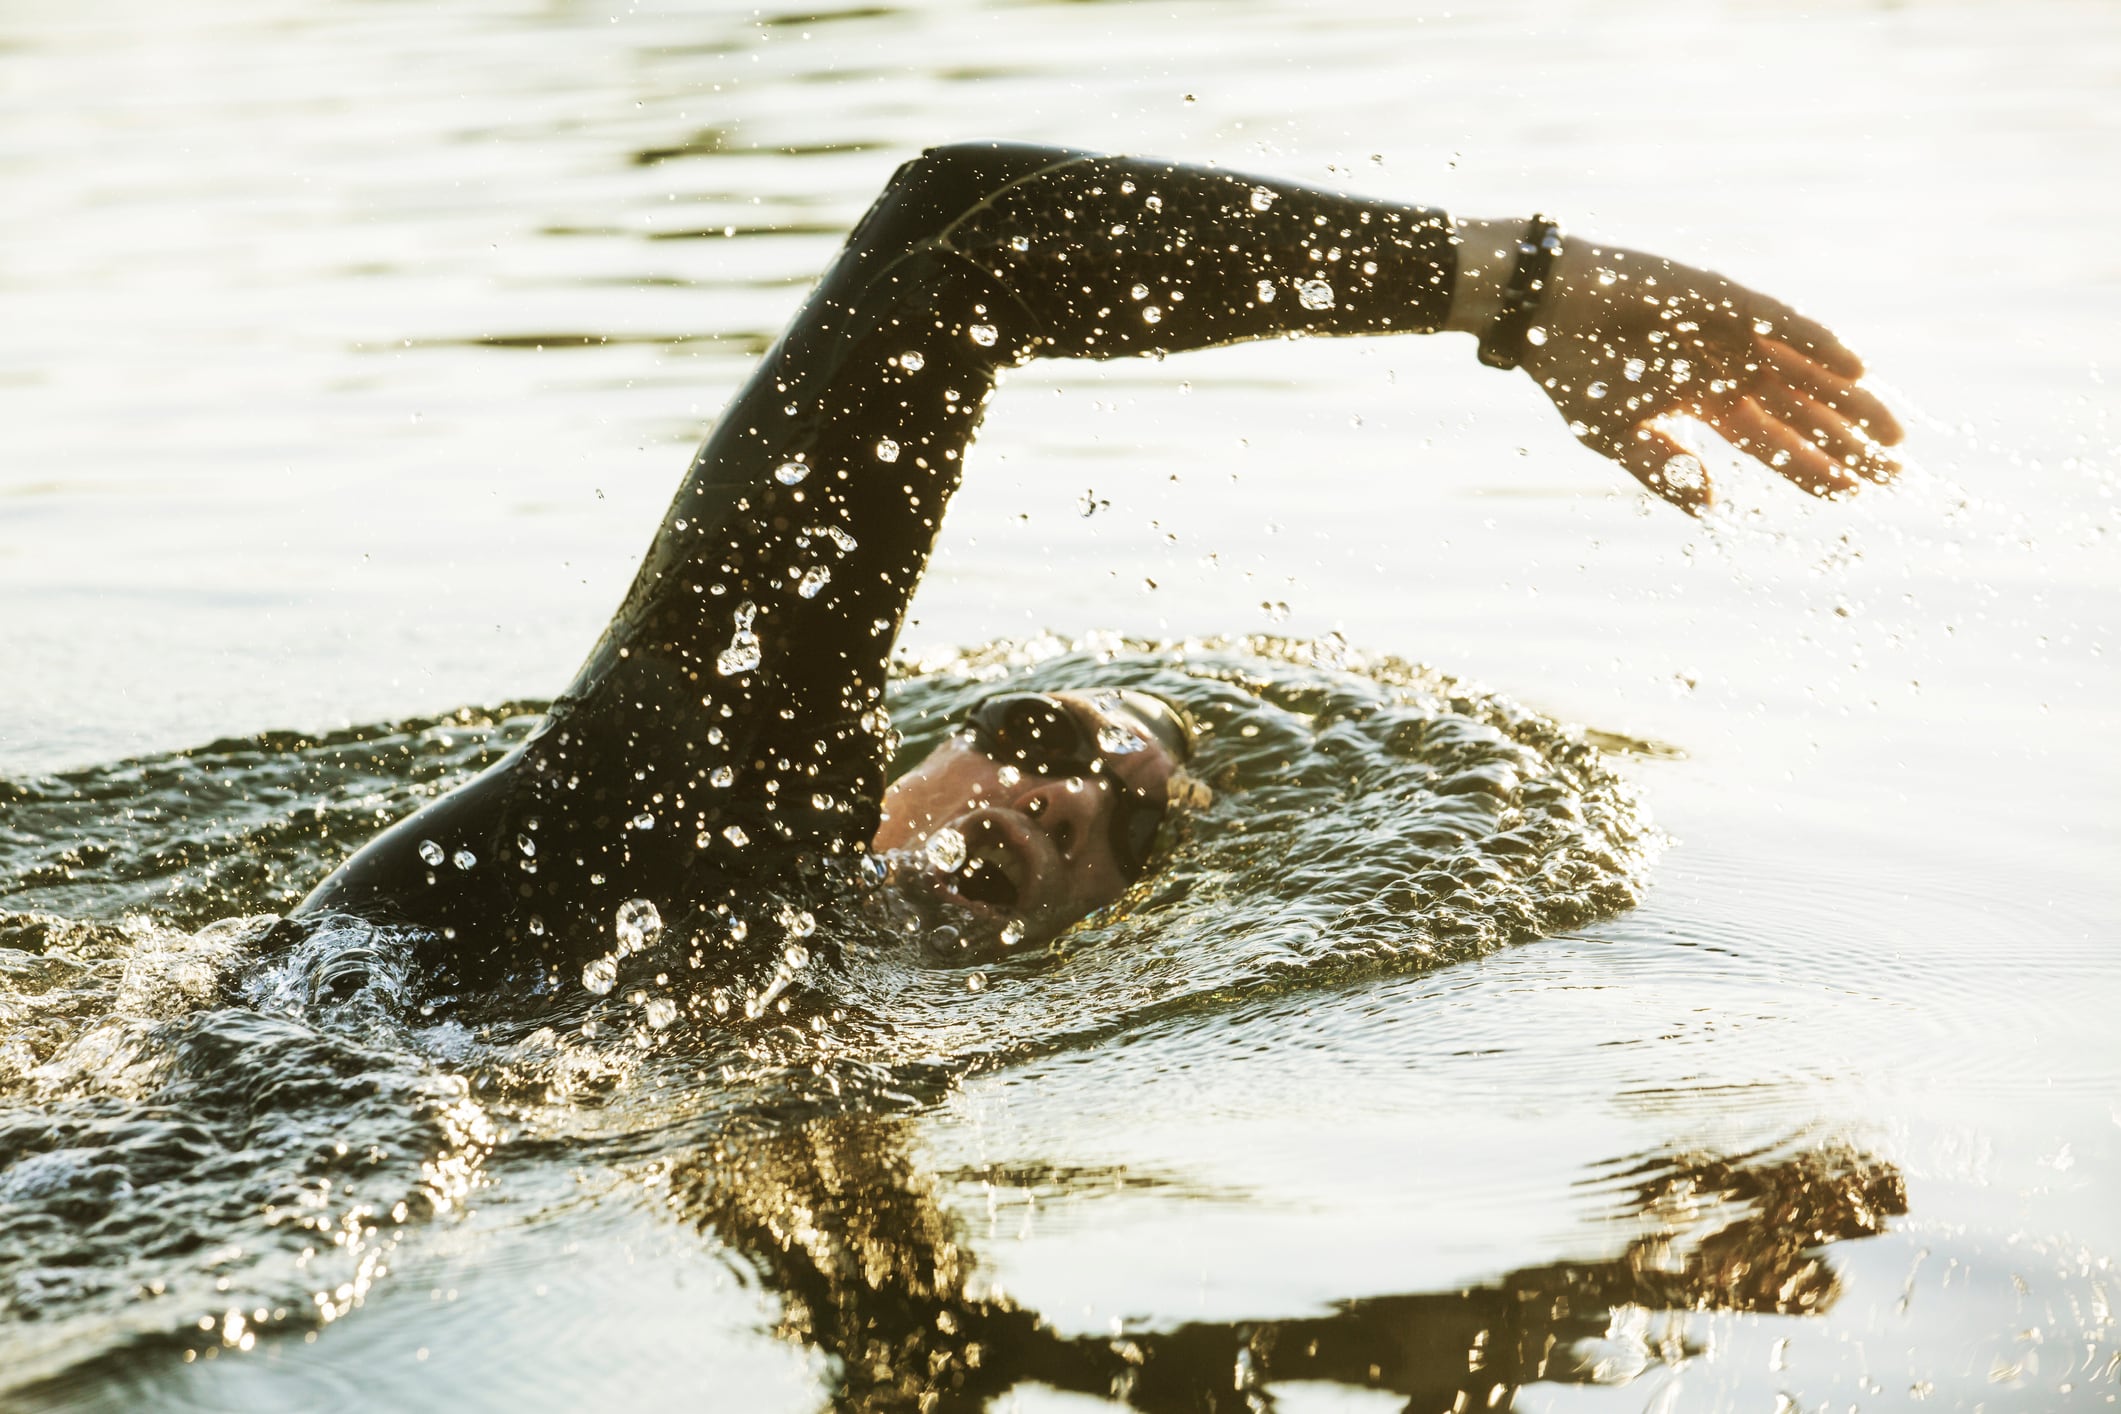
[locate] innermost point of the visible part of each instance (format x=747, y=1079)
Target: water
x=346, y=360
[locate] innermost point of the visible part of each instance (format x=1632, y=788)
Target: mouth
x=996, y=866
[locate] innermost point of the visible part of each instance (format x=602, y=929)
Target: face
x=1039, y=849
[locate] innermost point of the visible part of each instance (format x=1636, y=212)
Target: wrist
x=1487, y=253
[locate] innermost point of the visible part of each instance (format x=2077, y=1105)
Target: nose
x=1066, y=810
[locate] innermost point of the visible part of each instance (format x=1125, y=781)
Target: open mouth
x=993, y=874
x=983, y=880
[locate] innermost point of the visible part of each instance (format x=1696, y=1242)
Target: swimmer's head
x=1040, y=808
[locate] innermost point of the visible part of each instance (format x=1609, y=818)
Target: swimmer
x=727, y=735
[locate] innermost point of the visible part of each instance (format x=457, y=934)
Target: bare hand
x=1633, y=337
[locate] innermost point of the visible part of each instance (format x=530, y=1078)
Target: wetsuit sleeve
x=750, y=656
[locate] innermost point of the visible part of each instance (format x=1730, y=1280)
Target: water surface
x=347, y=357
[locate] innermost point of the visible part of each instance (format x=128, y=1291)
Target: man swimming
x=727, y=735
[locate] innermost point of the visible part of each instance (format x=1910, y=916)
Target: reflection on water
x=872, y=1270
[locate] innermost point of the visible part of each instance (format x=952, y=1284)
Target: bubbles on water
x=744, y=651
x=838, y=537
x=1152, y=315
x=659, y=1013
x=796, y=956
x=1019, y=243
x=1594, y=390
x=644, y=821
x=722, y=777
x=1261, y=198
x=814, y=582
x=946, y=850
x=1115, y=740
x=1633, y=370
x=1139, y=292
x=464, y=859
x=790, y=473
x=527, y=845
x=600, y=975
x=736, y=836
x=1263, y=292
x=797, y=922
x=638, y=925
x=1013, y=933
x=984, y=335
x=431, y=854
x=886, y=450
x=976, y=982
x=1009, y=775
x=912, y=361
x=1315, y=294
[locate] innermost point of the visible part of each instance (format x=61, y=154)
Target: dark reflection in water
x=873, y=1272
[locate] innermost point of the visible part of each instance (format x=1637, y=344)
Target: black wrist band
x=1503, y=345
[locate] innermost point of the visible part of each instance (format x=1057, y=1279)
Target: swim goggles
x=1039, y=734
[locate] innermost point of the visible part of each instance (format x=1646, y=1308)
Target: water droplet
x=600, y=975
x=977, y=982
x=813, y=582
x=1014, y=933
x=744, y=651
x=886, y=450
x=722, y=777
x=1276, y=609
x=1115, y=740
x=790, y=473
x=659, y=1013
x=1607, y=277
x=1632, y=370
x=1009, y=775
x=1019, y=243
x=821, y=802
x=946, y=850
x=1263, y=292
x=1152, y=315
x=637, y=925
x=537, y=926
x=1595, y=390
x=1535, y=336
x=736, y=836
x=644, y=821
x=463, y=859
x=1684, y=472
x=1762, y=326
x=984, y=335
x=528, y=845
x=1261, y=198
x=431, y=853
x=798, y=923
x=1315, y=294
x=912, y=362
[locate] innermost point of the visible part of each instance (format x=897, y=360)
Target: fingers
x=1808, y=337
x=1669, y=470
x=1823, y=385
x=1775, y=444
x=1825, y=428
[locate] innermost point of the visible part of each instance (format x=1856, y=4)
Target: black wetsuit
x=728, y=728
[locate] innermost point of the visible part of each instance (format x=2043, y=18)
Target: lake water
x=348, y=356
